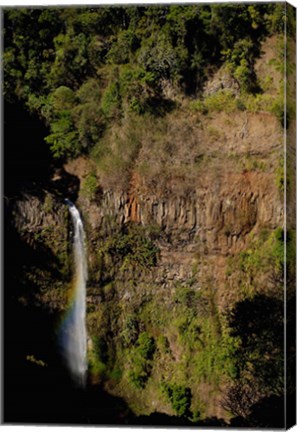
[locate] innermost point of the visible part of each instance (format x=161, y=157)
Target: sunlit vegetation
x=133, y=247
x=83, y=69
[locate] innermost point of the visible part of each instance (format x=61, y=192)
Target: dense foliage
x=133, y=247
x=179, y=397
x=141, y=356
x=83, y=69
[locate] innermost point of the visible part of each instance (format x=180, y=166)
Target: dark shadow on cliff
x=259, y=323
x=64, y=185
x=165, y=420
x=258, y=392
x=20, y=255
x=28, y=162
x=159, y=107
x=47, y=395
x=267, y=413
x=27, y=158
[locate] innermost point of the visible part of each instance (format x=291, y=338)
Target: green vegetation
x=204, y=335
x=222, y=100
x=132, y=247
x=90, y=186
x=141, y=357
x=98, y=357
x=225, y=101
x=240, y=59
x=83, y=69
x=179, y=398
x=130, y=331
x=265, y=254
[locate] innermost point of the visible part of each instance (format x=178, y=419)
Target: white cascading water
x=75, y=332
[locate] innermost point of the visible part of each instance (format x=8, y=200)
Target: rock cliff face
x=233, y=197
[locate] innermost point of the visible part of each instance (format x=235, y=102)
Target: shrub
x=188, y=297
x=142, y=360
x=137, y=88
x=139, y=374
x=90, y=123
x=90, y=185
x=63, y=98
x=240, y=105
x=164, y=345
x=146, y=346
x=278, y=109
x=125, y=44
x=133, y=248
x=159, y=57
x=111, y=100
x=130, y=331
x=98, y=356
x=88, y=116
x=198, y=105
x=280, y=176
x=180, y=398
x=221, y=101
x=259, y=102
x=264, y=256
x=241, y=59
x=64, y=140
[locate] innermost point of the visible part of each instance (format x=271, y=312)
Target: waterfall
x=74, y=329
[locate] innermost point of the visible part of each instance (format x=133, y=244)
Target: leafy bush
x=75, y=118
x=280, y=175
x=111, y=100
x=259, y=102
x=100, y=348
x=220, y=101
x=199, y=106
x=263, y=256
x=180, y=398
x=223, y=100
x=130, y=331
x=98, y=356
x=241, y=59
x=146, y=346
x=90, y=185
x=63, y=98
x=88, y=116
x=216, y=357
x=259, y=353
x=137, y=88
x=125, y=44
x=159, y=57
x=142, y=360
x=164, y=345
x=187, y=296
x=278, y=109
x=133, y=247
x=64, y=140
